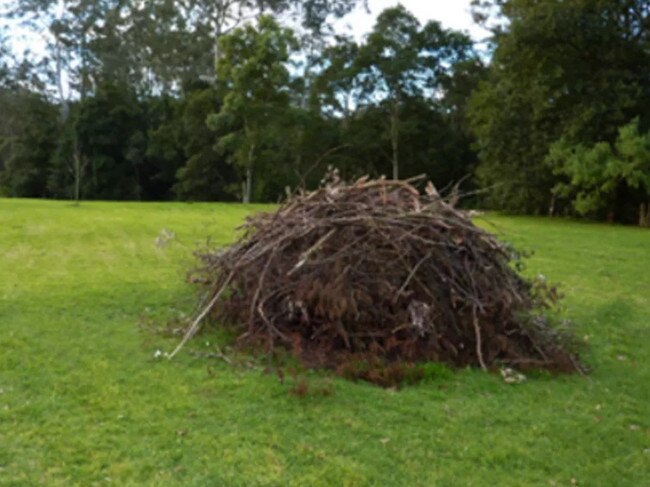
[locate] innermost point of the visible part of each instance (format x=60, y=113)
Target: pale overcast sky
x=452, y=14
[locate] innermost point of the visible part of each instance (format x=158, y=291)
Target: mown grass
x=83, y=401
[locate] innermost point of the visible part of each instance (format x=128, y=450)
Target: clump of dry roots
x=377, y=273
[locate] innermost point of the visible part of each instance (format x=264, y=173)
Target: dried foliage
x=364, y=277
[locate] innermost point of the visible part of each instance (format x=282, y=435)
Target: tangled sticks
x=377, y=272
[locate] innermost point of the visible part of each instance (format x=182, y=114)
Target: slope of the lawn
x=82, y=402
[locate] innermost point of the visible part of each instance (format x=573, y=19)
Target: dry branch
x=376, y=269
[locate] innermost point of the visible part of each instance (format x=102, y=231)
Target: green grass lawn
x=83, y=401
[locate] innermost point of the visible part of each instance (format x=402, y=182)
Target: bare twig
x=376, y=268
x=191, y=331
x=479, y=342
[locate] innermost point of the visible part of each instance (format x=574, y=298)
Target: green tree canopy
x=598, y=176
x=28, y=138
x=579, y=69
x=402, y=59
x=254, y=76
x=206, y=174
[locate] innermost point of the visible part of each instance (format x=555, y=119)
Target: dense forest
x=229, y=100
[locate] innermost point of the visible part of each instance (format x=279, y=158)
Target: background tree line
x=246, y=99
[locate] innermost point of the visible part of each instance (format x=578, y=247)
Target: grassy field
x=83, y=401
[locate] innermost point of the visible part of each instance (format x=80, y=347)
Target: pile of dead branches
x=377, y=272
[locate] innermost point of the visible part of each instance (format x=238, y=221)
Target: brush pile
x=377, y=273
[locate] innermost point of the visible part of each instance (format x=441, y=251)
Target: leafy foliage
x=254, y=77
x=600, y=175
x=110, y=134
x=402, y=60
x=134, y=84
x=575, y=69
x=206, y=174
x=28, y=138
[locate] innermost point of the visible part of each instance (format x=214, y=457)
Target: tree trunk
x=217, y=36
x=65, y=109
x=248, y=185
x=644, y=215
x=394, y=137
x=551, y=208
x=302, y=184
x=77, y=177
x=83, y=88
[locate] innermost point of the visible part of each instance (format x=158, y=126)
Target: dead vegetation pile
x=364, y=277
